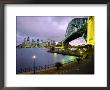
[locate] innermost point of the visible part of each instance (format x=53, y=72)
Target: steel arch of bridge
x=76, y=28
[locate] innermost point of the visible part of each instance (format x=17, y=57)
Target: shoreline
x=72, y=65
x=67, y=67
x=63, y=53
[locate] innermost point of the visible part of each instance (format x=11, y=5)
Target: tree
x=58, y=65
x=78, y=60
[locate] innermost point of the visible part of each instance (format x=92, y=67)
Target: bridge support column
x=66, y=45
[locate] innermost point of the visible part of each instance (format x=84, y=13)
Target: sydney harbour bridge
x=77, y=27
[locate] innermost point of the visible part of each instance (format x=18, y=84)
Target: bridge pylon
x=90, y=30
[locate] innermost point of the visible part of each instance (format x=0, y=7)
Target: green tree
x=58, y=65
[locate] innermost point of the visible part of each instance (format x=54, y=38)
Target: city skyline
x=43, y=27
x=54, y=45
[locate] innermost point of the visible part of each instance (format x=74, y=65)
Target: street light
x=34, y=57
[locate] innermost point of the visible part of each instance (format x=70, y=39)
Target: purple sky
x=43, y=27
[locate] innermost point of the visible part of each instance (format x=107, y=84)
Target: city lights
x=46, y=48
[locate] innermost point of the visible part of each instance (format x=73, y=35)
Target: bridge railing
x=37, y=68
x=45, y=67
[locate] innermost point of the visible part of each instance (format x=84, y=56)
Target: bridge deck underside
x=74, y=36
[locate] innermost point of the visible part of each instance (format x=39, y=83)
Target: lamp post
x=34, y=62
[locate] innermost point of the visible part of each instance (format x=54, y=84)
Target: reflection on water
x=24, y=57
x=67, y=59
x=55, y=54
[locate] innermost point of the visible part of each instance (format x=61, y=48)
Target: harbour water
x=24, y=57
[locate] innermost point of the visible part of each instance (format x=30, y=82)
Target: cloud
x=78, y=41
x=42, y=27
